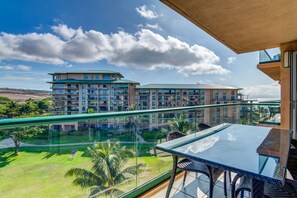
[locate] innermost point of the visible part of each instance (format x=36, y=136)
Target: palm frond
x=133, y=170
x=108, y=160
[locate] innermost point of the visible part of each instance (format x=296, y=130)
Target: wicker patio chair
x=188, y=165
x=203, y=126
x=288, y=190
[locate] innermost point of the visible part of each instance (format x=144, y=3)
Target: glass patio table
x=260, y=153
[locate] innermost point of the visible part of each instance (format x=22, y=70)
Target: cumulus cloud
x=145, y=12
x=45, y=48
x=231, y=60
x=268, y=91
x=17, y=67
x=144, y=49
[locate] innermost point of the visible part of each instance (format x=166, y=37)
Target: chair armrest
x=294, y=143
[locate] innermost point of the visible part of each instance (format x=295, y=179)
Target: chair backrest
x=203, y=126
x=174, y=135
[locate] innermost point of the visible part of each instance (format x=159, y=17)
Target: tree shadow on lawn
x=6, y=157
x=55, y=150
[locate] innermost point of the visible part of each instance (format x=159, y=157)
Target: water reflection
x=202, y=145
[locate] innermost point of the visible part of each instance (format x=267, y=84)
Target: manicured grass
x=38, y=175
x=60, y=140
x=39, y=172
x=77, y=137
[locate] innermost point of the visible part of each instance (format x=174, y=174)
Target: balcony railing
x=45, y=158
x=267, y=57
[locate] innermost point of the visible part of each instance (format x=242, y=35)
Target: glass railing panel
x=45, y=158
x=270, y=114
x=258, y=113
x=269, y=55
x=152, y=129
x=231, y=114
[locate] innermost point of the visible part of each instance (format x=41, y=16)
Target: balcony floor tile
x=196, y=186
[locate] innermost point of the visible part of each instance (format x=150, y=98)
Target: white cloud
x=268, y=91
x=231, y=60
x=65, y=32
x=17, y=67
x=144, y=49
x=45, y=48
x=154, y=26
x=145, y=12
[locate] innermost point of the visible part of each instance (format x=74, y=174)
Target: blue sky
x=144, y=40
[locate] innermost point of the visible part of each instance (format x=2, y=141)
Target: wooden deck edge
x=160, y=187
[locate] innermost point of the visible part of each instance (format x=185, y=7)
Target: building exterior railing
x=138, y=131
x=265, y=57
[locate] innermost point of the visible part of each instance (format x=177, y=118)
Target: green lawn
x=37, y=175
x=77, y=137
x=41, y=174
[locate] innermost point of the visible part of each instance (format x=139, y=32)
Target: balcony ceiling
x=243, y=26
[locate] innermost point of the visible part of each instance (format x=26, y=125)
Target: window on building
x=57, y=77
x=190, y=91
x=232, y=95
x=224, y=95
x=166, y=91
x=86, y=76
x=106, y=77
x=144, y=91
x=216, y=95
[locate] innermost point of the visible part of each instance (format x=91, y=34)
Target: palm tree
x=181, y=124
x=108, y=169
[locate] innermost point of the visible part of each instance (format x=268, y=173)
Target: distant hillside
x=24, y=94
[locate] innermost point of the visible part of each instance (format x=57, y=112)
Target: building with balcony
x=103, y=91
x=91, y=91
x=158, y=96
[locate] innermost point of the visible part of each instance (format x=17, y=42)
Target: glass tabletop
x=259, y=152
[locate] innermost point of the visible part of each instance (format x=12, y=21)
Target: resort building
x=76, y=92
x=91, y=91
x=103, y=91
x=158, y=96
